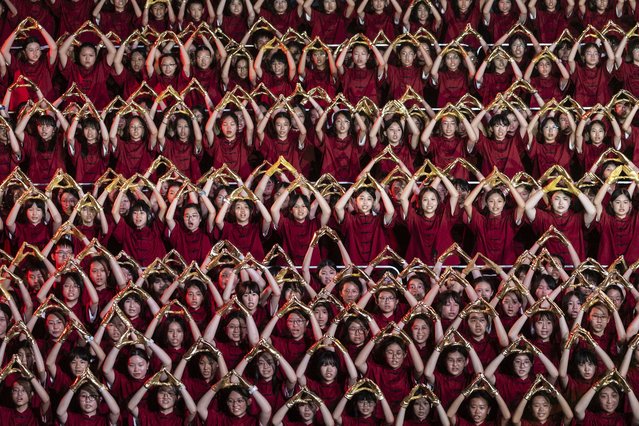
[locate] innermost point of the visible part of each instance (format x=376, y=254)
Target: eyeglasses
x=295, y=321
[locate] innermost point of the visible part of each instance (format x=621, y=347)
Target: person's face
x=350, y=293
x=306, y=412
x=237, y=404
x=342, y=125
x=61, y=255
x=597, y=134
x=250, y=300
x=360, y=56
x=550, y=131
x=422, y=12
x=158, y=10
x=615, y=296
x=621, y=206
x=573, y=307
x=280, y=6
x=296, y=325
x=78, y=366
x=55, y=326
x=241, y=68
x=327, y=275
x=139, y=218
x=598, y=318
x=115, y=328
x=366, y=407
x=87, y=57
x=88, y=402
x=166, y=399
x=87, y=214
x=299, y=210
x=328, y=372
x=70, y=290
x=282, y=127
x=168, y=65
x=543, y=328
x=544, y=67
x=266, y=367
x=125, y=205
x=35, y=279
x=591, y=56
x=477, y=324
x=394, y=356
x=32, y=52
x=484, y=290
x=522, y=366
x=601, y=5
x=455, y=363
x=321, y=315
x=45, y=130
x=182, y=130
x=421, y=409
x=207, y=367
x=560, y=203
x=26, y=357
x=429, y=203
x=319, y=57
x=68, y=202
x=450, y=309
x=540, y=407
x=394, y=134
x=416, y=288
x=407, y=56
x=550, y=4
x=278, y=68
x=236, y=7
x=136, y=129
x=137, y=367
x=90, y=134
x=234, y=330
x=196, y=11
x=500, y=63
x=504, y=6
x=608, y=399
x=463, y=5
x=226, y=275
x=420, y=331
x=194, y=297
x=500, y=131
x=517, y=48
x=586, y=370
x=357, y=333
x=330, y=6
x=511, y=305
x=495, y=204
x=452, y=59
x=192, y=219
x=19, y=395
x=387, y=302
x=364, y=202
x=4, y=321
x=136, y=61
x=448, y=126
x=132, y=308
x=543, y=289
x=229, y=128
x=479, y=409
x=242, y=212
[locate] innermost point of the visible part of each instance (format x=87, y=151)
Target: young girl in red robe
x=592, y=79
x=37, y=229
x=616, y=225
x=320, y=70
x=359, y=407
x=422, y=14
x=164, y=69
x=330, y=22
x=235, y=17
x=141, y=233
x=608, y=407
x=280, y=139
x=43, y=147
x=247, y=230
x=407, y=73
x=379, y=18
x=232, y=146
x=449, y=141
x=430, y=221
x=539, y=409
x=548, y=84
x=392, y=132
x=279, y=14
x=547, y=145
x=89, y=72
x=89, y=151
x=453, y=81
x=232, y=406
x=30, y=62
x=499, y=78
x=550, y=18
x=477, y=409
x=495, y=232
x=591, y=140
x=363, y=229
x=183, y=145
x=89, y=398
x=500, y=17
x=361, y=80
x=457, y=15
x=133, y=150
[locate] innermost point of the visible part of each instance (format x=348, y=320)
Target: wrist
x=252, y=390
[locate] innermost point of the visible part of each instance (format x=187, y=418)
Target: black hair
x=142, y=206
x=126, y=135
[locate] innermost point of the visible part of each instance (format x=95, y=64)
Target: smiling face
x=420, y=331
x=237, y=404
x=452, y=60
x=608, y=399
x=168, y=66
x=495, y=204
x=541, y=408
x=299, y=210
x=266, y=366
x=364, y=203
x=522, y=366
x=33, y=52
x=429, y=203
